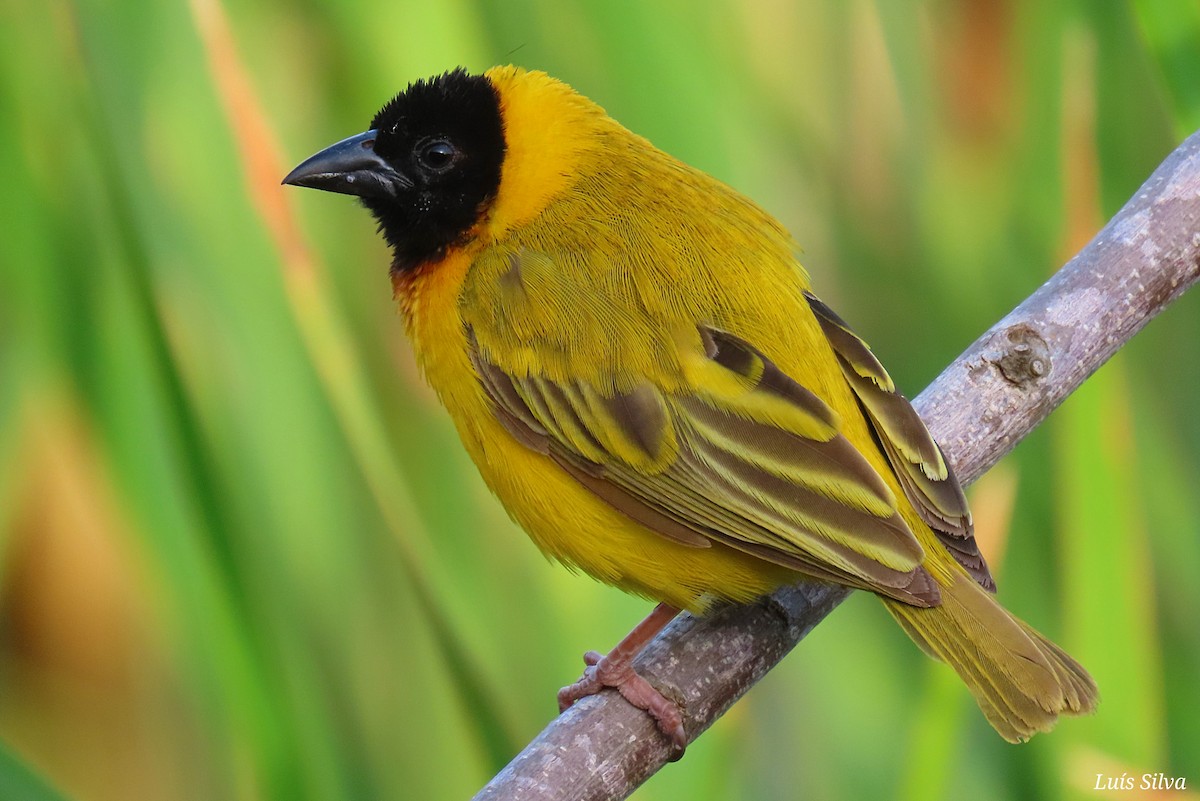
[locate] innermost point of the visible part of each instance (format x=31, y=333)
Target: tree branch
x=978, y=409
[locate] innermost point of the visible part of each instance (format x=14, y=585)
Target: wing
x=745, y=457
x=928, y=482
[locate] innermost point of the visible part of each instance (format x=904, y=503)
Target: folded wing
x=746, y=457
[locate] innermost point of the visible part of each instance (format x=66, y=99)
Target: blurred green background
x=242, y=555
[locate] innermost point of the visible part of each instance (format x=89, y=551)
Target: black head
x=427, y=168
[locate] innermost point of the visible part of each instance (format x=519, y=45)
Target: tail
x=1021, y=681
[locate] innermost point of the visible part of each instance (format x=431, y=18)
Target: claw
x=616, y=671
x=603, y=671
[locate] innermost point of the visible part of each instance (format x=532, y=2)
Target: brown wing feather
x=925, y=475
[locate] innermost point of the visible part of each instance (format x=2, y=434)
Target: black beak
x=351, y=167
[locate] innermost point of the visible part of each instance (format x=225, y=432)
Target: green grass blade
x=19, y=782
x=1171, y=31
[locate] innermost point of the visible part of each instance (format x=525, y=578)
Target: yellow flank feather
x=632, y=356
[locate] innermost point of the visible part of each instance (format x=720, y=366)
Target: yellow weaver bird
x=633, y=358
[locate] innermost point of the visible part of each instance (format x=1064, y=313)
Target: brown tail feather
x=1021, y=681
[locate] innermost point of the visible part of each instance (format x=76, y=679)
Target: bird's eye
x=437, y=155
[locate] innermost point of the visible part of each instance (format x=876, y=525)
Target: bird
x=635, y=360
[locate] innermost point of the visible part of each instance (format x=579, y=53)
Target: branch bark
x=978, y=409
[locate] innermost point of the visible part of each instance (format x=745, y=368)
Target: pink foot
x=604, y=671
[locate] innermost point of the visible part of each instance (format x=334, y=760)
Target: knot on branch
x=1022, y=356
